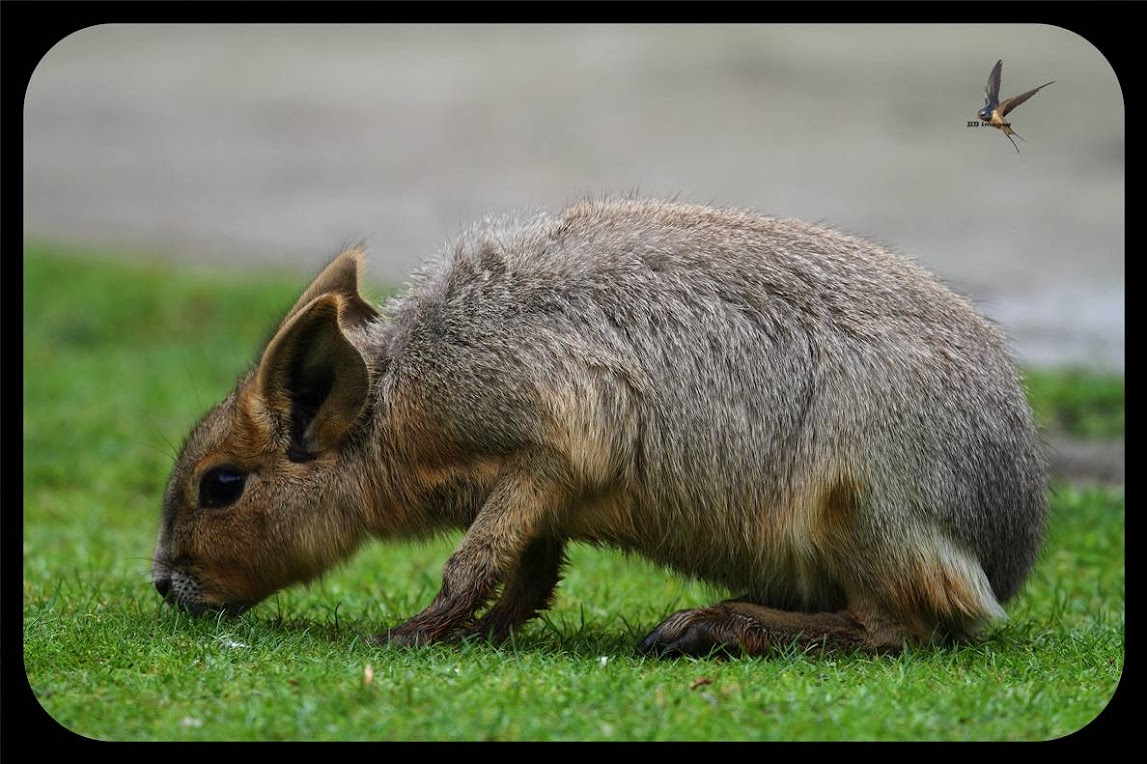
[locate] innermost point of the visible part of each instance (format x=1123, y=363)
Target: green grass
x=1079, y=402
x=120, y=359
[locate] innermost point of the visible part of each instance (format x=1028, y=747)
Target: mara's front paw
x=424, y=629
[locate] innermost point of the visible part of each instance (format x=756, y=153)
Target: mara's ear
x=312, y=377
x=340, y=277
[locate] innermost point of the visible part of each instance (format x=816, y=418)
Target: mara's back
x=784, y=409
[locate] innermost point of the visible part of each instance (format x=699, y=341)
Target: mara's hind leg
x=737, y=627
x=916, y=586
x=939, y=594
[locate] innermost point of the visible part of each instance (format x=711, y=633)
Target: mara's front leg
x=508, y=524
x=528, y=591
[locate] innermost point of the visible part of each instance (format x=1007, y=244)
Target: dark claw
x=686, y=634
x=653, y=647
x=665, y=642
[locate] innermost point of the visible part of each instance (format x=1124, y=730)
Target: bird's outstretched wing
x=1015, y=101
x=992, y=90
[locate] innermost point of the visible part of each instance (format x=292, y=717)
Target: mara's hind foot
x=744, y=628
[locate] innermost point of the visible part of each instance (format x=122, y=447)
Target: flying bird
x=994, y=111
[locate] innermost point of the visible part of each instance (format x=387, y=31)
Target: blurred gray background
x=274, y=145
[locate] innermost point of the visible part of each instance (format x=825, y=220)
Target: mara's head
x=264, y=493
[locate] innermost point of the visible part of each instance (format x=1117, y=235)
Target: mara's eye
x=220, y=487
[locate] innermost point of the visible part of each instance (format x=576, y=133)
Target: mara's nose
x=163, y=585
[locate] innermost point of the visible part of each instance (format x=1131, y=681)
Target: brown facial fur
x=297, y=515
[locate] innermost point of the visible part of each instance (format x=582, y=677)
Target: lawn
x=120, y=359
